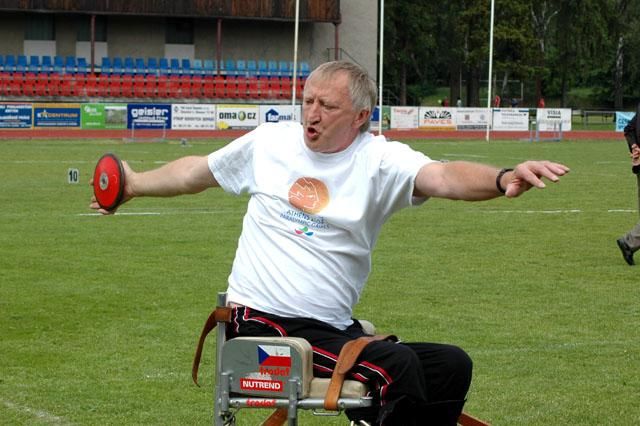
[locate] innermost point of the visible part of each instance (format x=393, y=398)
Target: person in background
x=459, y=102
x=630, y=242
x=497, y=101
x=541, y=102
x=319, y=194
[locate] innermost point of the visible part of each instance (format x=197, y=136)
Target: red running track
x=230, y=134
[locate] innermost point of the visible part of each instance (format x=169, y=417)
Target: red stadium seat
x=139, y=89
x=91, y=86
x=162, y=86
x=185, y=86
x=253, y=88
x=208, y=87
x=231, y=85
x=197, y=84
x=243, y=88
x=220, y=87
x=174, y=86
x=285, y=88
x=126, y=86
x=150, y=85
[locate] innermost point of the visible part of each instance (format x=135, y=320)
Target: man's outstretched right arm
x=186, y=175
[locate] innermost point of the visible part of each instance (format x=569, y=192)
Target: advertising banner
x=553, y=119
x=103, y=116
x=148, y=116
x=56, y=115
x=404, y=117
x=375, y=118
x=472, y=118
x=275, y=113
x=622, y=119
x=510, y=119
x=16, y=116
x=237, y=116
x=193, y=116
x=437, y=118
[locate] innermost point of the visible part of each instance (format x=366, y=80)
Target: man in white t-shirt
x=319, y=195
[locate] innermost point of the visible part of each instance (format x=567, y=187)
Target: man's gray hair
x=362, y=88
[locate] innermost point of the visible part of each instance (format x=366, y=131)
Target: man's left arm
x=462, y=180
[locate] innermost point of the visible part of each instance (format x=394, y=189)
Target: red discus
x=108, y=182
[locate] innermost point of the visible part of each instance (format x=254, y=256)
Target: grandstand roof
x=282, y=10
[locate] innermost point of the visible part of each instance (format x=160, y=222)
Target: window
x=179, y=31
x=84, y=28
x=40, y=27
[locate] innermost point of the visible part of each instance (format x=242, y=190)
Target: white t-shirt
x=313, y=219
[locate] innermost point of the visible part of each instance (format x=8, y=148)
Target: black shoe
x=627, y=253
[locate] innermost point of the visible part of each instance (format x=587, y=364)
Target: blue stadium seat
x=262, y=68
x=117, y=66
x=230, y=67
x=186, y=66
x=272, y=69
x=21, y=64
x=34, y=63
x=129, y=66
x=70, y=64
x=152, y=66
x=305, y=69
x=241, y=68
x=105, y=66
x=283, y=69
x=163, y=66
x=174, y=68
x=81, y=65
x=58, y=64
x=196, y=67
x=140, y=67
x=252, y=68
x=1, y=63
x=209, y=67
x=47, y=65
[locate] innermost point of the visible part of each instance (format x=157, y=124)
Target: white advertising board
x=436, y=118
x=237, y=116
x=193, y=116
x=472, y=118
x=510, y=119
x=404, y=117
x=549, y=119
x=275, y=113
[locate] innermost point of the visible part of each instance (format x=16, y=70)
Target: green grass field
x=99, y=316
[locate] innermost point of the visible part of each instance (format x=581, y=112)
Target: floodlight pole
x=490, y=71
x=295, y=61
x=381, y=63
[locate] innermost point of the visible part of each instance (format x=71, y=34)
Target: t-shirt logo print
x=309, y=195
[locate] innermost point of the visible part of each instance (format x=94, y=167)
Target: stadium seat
x=285, y=88
x=263, y=83
x=34, y=64
x=185, y=86
x=220, y=90
x=283, y=69
x=253, y=89
x=105, y=66
x=129, y=66
x=42, y=85
x=70, y=64
x=197, y=85
x=252, y=68
x=175, y=90
x=162, y=86
x=68, y=85
x=263, y=71
x=46, y=65
x=242, y=87
x=152, y=66
x=55, y=83
x=151, y=86
x=139, y=89
x=209, y=67
x=241, y=68
x=163, y=66
x=104, y=86
x=208, y=87
x=305, y=69
x=185, y=66
x=9, y=63
x=58, y=64
x=81, y=66
x=21, y=64
x=229, y=67
x=91, y=85
x=196, y=67
x=272, y=68
x=140, y=68
x=174, y=68
x=117, y=66
x=1, y=63
x=126, y=86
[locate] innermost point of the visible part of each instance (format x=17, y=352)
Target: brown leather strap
x=346, y=359
x=277, y=418
x=219, y=314
x=468, y=420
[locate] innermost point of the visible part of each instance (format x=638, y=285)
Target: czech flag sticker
x=274, y=356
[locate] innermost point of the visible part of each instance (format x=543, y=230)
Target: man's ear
x=362, y=117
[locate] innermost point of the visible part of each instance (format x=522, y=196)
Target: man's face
x=329, y=120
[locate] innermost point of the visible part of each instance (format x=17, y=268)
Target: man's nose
x=312, y=110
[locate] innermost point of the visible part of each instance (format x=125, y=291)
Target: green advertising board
x=103, y=116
